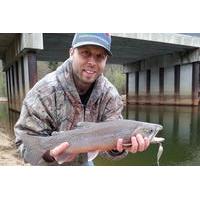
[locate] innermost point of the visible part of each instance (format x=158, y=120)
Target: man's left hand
x=139, y=144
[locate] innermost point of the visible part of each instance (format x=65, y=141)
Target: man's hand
x=138, y=144
x=60, y=155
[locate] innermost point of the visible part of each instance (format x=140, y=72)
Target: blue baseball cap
x=99, y=39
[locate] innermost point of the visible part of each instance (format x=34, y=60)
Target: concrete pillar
x=16, y=85
x=169, y=85
x=148, y=81
x=132, y=91
x=142, y=83
x=142, y=87
x=26, y=74
x=11, y=87
x=195, y=83
x=186, y=84
x=177, y=83
x=131, y=83
x=10, y=91
x=30, y=70
x=8, y=86
x=32, y=65
x=154, y=86
x=127, y=86
x=21, y=85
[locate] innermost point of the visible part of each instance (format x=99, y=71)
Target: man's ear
x=71, y=51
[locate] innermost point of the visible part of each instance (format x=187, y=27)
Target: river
x=181, y=131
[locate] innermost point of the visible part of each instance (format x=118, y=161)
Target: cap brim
x=92, y=43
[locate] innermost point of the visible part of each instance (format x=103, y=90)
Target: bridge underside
x=126, y=48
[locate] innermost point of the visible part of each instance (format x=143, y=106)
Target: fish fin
x=85, y=124
x=92, y=155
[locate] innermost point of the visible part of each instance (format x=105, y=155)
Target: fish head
x=150, y=130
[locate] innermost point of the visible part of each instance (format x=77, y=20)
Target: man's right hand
x=60, y=155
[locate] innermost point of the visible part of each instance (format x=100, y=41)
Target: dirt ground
x=8, y=152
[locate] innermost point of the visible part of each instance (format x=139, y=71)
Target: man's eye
x=85, y=53
x=100, y=56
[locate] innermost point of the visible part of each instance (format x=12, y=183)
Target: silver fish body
x=88, y=137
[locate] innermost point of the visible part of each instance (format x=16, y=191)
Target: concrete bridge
x=160, y=68
x=169, y=74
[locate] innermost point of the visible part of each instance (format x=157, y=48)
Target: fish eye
x=151, y=130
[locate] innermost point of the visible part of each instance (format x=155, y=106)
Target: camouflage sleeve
x=113, y=108
x=113, y=111
x=35, y=119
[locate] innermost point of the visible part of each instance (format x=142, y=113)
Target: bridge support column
x=142, y=87
x=195, y=83
x=30, y=70
x=185, y=94
x=20, y=65
x=168, y=93
x=154, y=86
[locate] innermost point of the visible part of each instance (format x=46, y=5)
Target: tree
x=115, y=75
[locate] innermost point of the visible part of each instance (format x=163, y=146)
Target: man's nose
x=92, y=60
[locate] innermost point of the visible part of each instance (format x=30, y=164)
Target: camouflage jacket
x=53, y=104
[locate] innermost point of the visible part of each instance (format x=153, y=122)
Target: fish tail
x=33, y=153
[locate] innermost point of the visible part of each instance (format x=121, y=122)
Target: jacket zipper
x=84, y=108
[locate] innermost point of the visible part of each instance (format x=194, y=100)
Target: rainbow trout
x=90, y=137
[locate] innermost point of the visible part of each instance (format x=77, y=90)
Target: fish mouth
x=159, y=128
x=156, y=130
x=156, y=140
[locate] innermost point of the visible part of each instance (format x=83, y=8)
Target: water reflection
x=4, y=123
x=181, y=131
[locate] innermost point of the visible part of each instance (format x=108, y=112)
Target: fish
x=89, y=137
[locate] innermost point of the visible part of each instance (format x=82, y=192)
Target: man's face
x=88, y=63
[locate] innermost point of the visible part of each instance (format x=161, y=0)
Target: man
x=76, y=91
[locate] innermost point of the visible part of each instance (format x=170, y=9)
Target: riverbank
x=8, y=152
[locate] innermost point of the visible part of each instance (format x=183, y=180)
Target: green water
x=181, y=131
